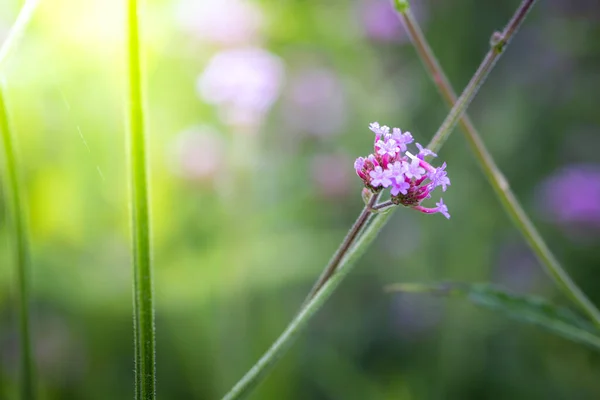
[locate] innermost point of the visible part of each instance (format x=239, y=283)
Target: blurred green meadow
x=255, y=114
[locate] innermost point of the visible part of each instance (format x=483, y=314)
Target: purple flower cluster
x=410, y=178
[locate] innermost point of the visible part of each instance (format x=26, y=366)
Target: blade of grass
x=531, y=309
x=491, y=171
x=16, y=31
x=143, y=296
x=16, y=208
x=257, y=373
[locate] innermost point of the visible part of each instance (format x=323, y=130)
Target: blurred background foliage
x=255, y=113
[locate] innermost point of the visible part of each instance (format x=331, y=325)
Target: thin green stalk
x=143, y=300
x=343, y=248
x=260, y=370
x=17, y=210
x=382, y=207
x=17, y=29
x=498, y=43
x=255, y=375
x=21, y=249
x=494, y=175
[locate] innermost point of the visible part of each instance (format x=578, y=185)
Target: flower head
x=410, y=178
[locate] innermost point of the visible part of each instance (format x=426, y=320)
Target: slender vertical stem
x=17, y=29
x=499, y=41
x=343, y=248
x=17, y=210
x=143, y=301
x=493, y=174
x=19, y=231
x=260, y=370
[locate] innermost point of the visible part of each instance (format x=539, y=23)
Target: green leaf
x=532, y=309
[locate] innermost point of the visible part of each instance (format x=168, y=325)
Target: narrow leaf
x=532, y=309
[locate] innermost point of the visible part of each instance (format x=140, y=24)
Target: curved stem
x=15, y=33
x=143, y=300
x=17, y=215
x=343, y=248
x=491, y=171
x=263, y=366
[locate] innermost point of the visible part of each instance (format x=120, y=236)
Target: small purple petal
x=397, y=169
x=380, y=177
x=424, y=152
x=440, y=178
x=399, y=187
x=442, y=209
x=359, y=163
x=359, y=166
x=379, y=130
x=373, y=159
x=401, y=138
x=413, y=170
x=388, y=147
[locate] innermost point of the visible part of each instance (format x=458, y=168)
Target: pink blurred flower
x=315, y=102
x=243, y=83
x=571, y=196
x=225, y=22
x=199, y=153
x=381, y=23
x=331, y=176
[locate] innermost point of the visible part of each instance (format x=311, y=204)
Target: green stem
x=494, y=175
x=257, y=373
x=343, y=248
x=17, y=215
x=381, y=207
x=260, y=370
x=143, y=301
x=17, y=29
x=499, y=42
